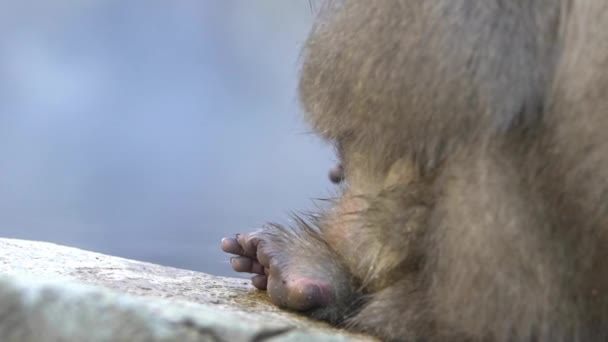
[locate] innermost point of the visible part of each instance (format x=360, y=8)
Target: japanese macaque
x=473, y=145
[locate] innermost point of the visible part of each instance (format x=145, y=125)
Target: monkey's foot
x=287, y=288
x=299, y=273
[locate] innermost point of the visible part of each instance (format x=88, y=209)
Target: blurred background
x=150, y=129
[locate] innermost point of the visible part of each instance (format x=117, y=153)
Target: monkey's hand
x=296, y=267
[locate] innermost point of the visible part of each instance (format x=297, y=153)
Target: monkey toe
x=299, y=294
x=246, y=264
x=230, y=245
x=260, y=282
x=243, y=244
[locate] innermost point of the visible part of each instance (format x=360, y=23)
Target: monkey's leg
x=496, y=269
x=297, y=268
x=396, y=313
x=492, y=269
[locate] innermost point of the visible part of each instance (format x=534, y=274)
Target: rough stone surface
x=54, y=293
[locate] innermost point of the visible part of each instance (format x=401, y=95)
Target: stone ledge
x=53, y=293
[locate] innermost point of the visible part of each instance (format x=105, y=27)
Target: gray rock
x=55, y=293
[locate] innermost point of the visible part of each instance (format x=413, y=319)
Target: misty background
x=150, y=129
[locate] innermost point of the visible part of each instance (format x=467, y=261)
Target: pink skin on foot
x=295, y=293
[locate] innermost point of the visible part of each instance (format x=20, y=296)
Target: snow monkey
x=472, y=138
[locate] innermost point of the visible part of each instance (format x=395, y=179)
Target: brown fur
x=473, y=140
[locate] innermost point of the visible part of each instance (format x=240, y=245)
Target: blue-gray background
x=149, y=129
